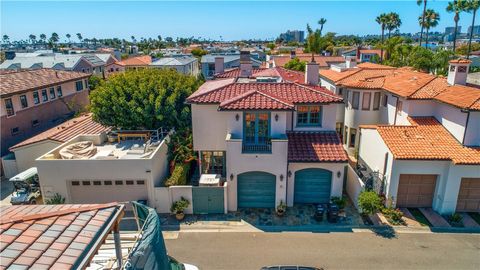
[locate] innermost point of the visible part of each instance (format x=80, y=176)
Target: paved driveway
x=327, y=250
x=6, y=189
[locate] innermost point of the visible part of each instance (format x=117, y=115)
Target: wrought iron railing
x=265, y=147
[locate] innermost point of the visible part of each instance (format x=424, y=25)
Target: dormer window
x=309, y=116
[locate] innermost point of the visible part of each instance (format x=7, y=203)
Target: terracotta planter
x=180, y=216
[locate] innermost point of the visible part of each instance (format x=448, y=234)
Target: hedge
x=179, y=175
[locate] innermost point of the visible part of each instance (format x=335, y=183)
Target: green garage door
x=256, y=190
x=312, y=186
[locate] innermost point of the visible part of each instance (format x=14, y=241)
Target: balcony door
x=256, y=128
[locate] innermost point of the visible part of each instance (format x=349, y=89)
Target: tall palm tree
x=43, y=38
x=322, y=22
x=6, y=39
x=68, y=36
x=313, y=41
x=429, y=20
x=32, y=38
x=393, y=22
x=382, y=20
x=457, y=6
x=419, y=2
x=472, y=6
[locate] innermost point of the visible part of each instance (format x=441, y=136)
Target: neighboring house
x=105, y=171
x=217, y=63
x=187, y=65
x=86, y=63
x=57, y=236
x=27, y=151
x=271, y=139
x=363, y=55
x=34, y=100
x=324, y=62
x=132, y=63
x=416, y=135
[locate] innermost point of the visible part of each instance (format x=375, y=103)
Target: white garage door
x=105, y=191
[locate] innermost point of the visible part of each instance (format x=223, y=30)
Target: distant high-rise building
x=451, y=29
x=476, y=30
x=295, y=35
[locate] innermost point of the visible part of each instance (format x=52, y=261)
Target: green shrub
x=455, y=218
x=179, y=206
x=179, y=175
x=56, y=199
x=340, y=201
x=369, y=202
x=393, y=215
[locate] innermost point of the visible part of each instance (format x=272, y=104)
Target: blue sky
x=232, y=20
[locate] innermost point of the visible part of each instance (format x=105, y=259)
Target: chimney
x=311, y=73
x=245, y=64
x=350, y=61
x=293, y=54
x=458, y=71
x=219, y=64
x=357, y=53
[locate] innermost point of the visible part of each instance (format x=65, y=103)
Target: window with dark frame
x=140, y=182
x=59, y=91
x=366, y=101
x=345, y=133
x=385, y=100
x=79, y=85
x=129, y=182
x=36, y=97
x=52, y=93
x=85, y=183
x=118, y=182
x=23, y=101
x=75, y=183
x=97, y=183
x=15, y=131
x=355, y=100
x=309, y=115
x=213, y=162
x=376, y=101
x=462, y=69
x=9, y=107
x=399, y=107
x=35, y=123
x=107, y=183
x=44, y=95
x=353, y=133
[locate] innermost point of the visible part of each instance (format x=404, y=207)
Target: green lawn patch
x=419, y=217
x=475, y=216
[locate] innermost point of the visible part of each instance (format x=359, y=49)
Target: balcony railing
x=265, y=147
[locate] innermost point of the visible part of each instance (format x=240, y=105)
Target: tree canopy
x=296, y=64
x=144, y=99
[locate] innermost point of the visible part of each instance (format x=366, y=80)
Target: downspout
x=396, y=110
x=466, y=125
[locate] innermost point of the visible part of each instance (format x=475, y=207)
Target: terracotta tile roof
x=460, y=96
x=336, y=76
x=25, y=80
x=255, y=100
x=291, y=75
x=323, y=146
x=322, y=61
x=235, y=73
x=460, y=61
x=52, y=236
x=144, y=60
x=289, y=92
x=426, y=139
x=366, y=78
x=80, y=125
x=368, y=65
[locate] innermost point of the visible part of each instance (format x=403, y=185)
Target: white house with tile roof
x=271, y=138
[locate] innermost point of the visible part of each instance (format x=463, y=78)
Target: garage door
x=469, y=195
x=312, y=186
x=104, y=191
x=256, y=190
x=416, y=190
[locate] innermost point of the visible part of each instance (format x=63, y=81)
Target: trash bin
x=319, y=213
x=332, y=215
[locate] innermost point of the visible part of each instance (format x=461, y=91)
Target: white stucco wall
x=238, y=162
x=373, y=150
x=177, y=192
x=328, y=119
x=25, y=156
x=337, y=181
x=472, y=136
x=210, y=127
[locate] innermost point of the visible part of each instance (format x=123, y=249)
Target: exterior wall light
x=339, y=173
x=276, y=117
x=237, y=117
x=231, y=177
x=281, y=177
x=289, y=173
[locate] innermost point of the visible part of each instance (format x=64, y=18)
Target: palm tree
x=419, y=2
x=382, y=19
x=6, y=39
x=43, y=38
x=32, y=38
x=68, y=36
x=322, y=22
x=313, y=41
x=457, y=6
x=472, y=6
x=429, y=20
x=393, y=22
x=133, y=39
x=80, y=38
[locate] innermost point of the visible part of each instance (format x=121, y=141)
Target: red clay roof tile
x=315, y=147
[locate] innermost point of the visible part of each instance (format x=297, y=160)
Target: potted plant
x=178, y=207
x=340, y=202
x=281, y=209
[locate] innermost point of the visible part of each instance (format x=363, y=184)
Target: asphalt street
x=363, y=250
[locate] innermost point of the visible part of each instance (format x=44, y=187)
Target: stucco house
x=416, y=135
x=184, y=64
x=216, y=63
x=271, y=137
